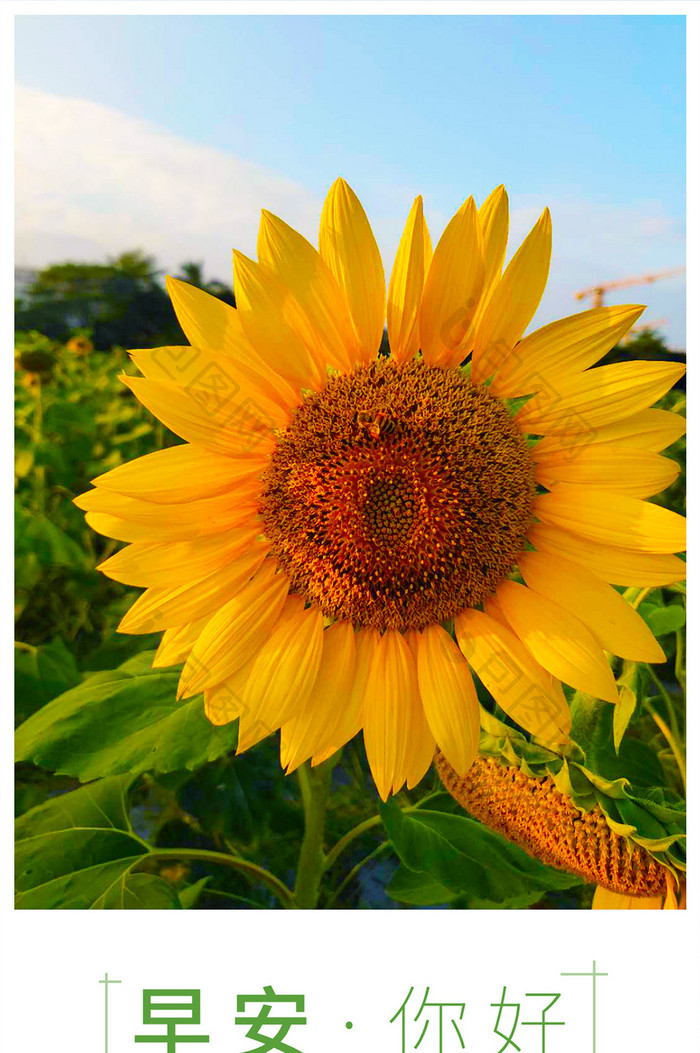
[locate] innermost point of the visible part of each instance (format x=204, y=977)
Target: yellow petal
x=166, y=608
x=562, y=349
x=271, y=319
x=493, y=220
x=210, y=323
x=612, y=519
x=324, y=315
x=177, y=643
x=285, y=667
x=613, y=622
x=236, y=632
x=217, y=385
x=513, y=301
x=636, y=473
x=349, y=248
x=240, y=429
x=449, y=697
x=224, y=702
x=314, y=726
x=452, y=291
x=557, y=640
x=509, y=672
x=406, y=285
x=652, y=430
x=180, y=474
x=616, y=565
x=137, y=520
x=349, y=716
x=604, y=899
x=392, y=680
x=588, y=401
x=420, y=745
x=166, y=565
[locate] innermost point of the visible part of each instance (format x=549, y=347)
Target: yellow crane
x=597, y=292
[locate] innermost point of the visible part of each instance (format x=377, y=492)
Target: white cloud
x=92, y=182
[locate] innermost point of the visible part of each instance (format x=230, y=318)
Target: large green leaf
x=41, y=673
x=465, y=856
x=418, y=889
x=124, y=723
x=139, y=892
x=77, y=850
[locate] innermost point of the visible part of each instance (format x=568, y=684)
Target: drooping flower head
x=348, y=536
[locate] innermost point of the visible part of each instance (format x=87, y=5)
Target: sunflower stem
x=315, y=787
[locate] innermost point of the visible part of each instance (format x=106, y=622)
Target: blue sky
x=584, y=113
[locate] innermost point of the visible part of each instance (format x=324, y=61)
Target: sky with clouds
x=171, y=133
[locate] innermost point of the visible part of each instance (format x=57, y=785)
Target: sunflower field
x=130, y=798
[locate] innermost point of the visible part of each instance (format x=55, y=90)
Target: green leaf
x=190, y=895
x=465, y=856
x=418, y=889
x=629, y=687
x=139, y=892
x=36, y=533
x=75, y=850
x=41, y=673
x=663, y=620
x=129, y=724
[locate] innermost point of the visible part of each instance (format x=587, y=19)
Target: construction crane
x=597, y=292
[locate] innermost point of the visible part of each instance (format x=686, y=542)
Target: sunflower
x=350, y=534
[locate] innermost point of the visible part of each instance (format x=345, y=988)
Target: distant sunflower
x=347, y=532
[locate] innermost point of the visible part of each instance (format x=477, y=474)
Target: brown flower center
x=398, y=496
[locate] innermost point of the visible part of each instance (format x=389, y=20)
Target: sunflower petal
x=215, y=383
x=349, y=248
x=241, y=430
x=513, y=301
x=600, y=396
x=452, y=291
x=616, y=565
x=349, y=716
x=406, y=285
x=613, y=622
x=209, y=323
x=180, y=474
x=285, y=667
x=557, y=640
x=508, y=671
x=176, y=643
x=636, y=473
x=323, y=320
x=562, y=349
x=604, y=899
x=236, y=632
x=391, y=681
x=449, y=697
x=271, y=319
x=612, y=519
x=314, y=726
x=167, y=565
x=165, y=608
x=493, y=220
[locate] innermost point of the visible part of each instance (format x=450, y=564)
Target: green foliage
x=119, y=722
x=122, y=301
x=464, y=856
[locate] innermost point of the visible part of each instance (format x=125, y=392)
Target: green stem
x=355, y=871
x=243, y=866
x=673, y=720
x=315, y=786
x=347, y=839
